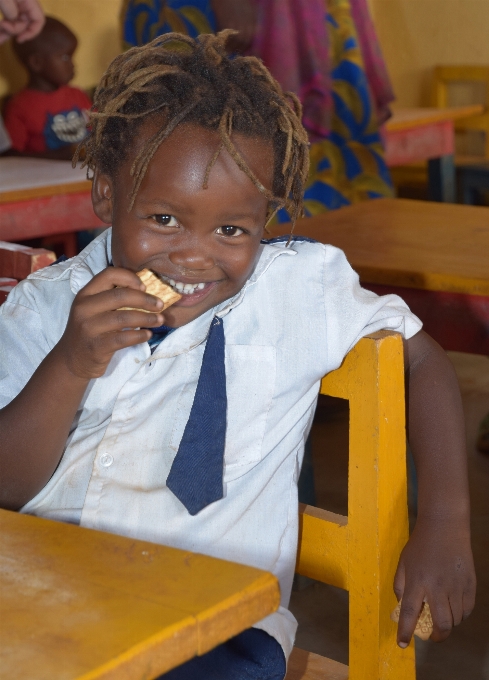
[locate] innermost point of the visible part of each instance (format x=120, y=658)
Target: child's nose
x=192, y=258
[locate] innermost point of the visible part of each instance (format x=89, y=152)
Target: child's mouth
x=190, y=292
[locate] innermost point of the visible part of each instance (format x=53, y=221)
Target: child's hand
x=436, y=565
x=98, y=327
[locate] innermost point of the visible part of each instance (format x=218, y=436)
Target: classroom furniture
x=435, y=256
x=427, y=134
x=17, y=262
x=79, y=604
x=42, y=198
x=444, y=76
x=472, y=171
x=360, y=552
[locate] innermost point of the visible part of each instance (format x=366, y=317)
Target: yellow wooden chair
x=360, y=552
x=444, y=76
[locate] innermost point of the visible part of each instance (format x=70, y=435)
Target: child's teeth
x=188, y=288
x=171, y=282
x=179, y=286
x=200, y=286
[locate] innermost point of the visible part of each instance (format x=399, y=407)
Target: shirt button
x=106, y=460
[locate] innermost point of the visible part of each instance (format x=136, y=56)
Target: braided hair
x=181, y=80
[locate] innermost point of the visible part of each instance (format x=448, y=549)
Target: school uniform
x=294, y=320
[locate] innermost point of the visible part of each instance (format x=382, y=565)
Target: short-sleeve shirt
x=44, y=121
x=294, y=320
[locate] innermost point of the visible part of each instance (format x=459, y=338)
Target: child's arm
x=436, y=563
x=35, y=425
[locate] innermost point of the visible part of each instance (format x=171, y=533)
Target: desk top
x=25, y=178
x=79, y=604
x=404, y=119
x=417, y=244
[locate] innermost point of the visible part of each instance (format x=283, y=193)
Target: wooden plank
x=17, y=261
x=404, y=119
x=421, y=143
x=84, y=187
x=414, y=244
x=308, y=666
x=41, y=217
x=87, y=605
x=323, y=546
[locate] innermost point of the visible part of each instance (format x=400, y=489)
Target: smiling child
x=187, y=428
x=49, y=117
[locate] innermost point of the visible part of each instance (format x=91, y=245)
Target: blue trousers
x=251, y=655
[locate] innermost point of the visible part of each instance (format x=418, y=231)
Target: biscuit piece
x=156, y=287
x=424, y=627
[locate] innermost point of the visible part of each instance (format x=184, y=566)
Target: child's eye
x=228, y=230
x=165, y=220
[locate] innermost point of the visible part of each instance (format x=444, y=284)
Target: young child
x=49, y=117
x=187, y=428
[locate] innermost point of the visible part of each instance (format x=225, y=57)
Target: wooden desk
x=86, y=605
x=41, y=197
x=435, y=256
x=422, y=134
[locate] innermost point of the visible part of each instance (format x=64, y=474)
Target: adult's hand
x=22, y=19
x=240, y=15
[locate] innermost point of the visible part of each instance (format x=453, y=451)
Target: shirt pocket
x=250, y=381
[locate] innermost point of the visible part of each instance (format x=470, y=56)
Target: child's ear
x=35, y=62
x=102, y=197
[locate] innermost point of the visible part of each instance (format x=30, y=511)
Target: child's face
x=55, y=64
x=207, y=239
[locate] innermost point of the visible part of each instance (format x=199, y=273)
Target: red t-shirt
x=40, y=121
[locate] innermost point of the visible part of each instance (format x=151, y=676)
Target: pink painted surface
x=419, y=143
x=39, y=217
x=458, y=322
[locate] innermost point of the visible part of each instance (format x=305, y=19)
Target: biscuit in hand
x=424, y=626
x=157, y=287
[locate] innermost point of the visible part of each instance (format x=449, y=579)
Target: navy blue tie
x=196, y=473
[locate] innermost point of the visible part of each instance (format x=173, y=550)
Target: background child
x=188, y=427
x=48, y=118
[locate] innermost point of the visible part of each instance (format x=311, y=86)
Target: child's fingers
x=116, y=299
x=442, y=616
x=122, y=339
x=110, y=278
x=457, y=608
x=110, y=322
x=411, y=605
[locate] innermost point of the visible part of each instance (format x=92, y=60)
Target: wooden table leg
x=441, y=175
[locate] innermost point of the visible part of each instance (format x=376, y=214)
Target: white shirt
x=294, y=320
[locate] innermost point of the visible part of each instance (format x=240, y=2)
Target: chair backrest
x=444, y=76
x=359, y=552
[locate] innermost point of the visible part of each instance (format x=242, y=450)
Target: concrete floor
x=322, y=611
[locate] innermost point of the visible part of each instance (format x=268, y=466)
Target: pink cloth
x=292, y=41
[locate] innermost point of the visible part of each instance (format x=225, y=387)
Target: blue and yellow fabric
x=347, y=166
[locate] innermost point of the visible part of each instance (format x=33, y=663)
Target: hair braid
x=179, y=79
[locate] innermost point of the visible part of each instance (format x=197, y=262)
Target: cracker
x=156, y=287
x=424, y=626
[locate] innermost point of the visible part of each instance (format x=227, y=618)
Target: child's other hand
x=436, y=565
x=98, y=327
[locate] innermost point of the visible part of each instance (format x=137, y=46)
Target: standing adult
x=325, y=51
